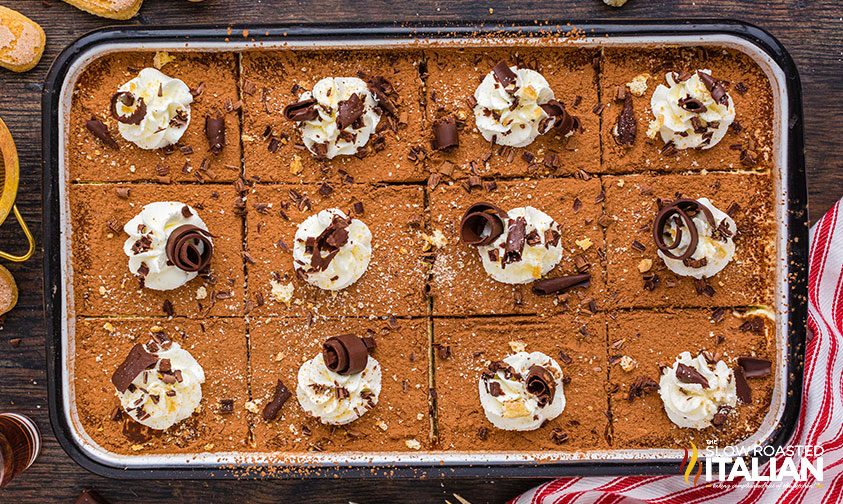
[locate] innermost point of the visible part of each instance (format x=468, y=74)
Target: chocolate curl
x=273, y=407
x=515, y=240
x=136, y=362
x=683, y=209
x=345, y=354
x=541, y=384
x=559, y=285
x=477, y=219
x=128, y=99
x=304, y=110
x=445, y=134
x=715, y=87
x=692, y=105
x=565, y=122
x=215, y=132
x=183, y=248
x=349, y=111
x=504, y=74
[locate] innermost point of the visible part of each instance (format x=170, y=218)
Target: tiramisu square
x=203, y=83
x=466, y=348
x=392, y=281
x=641, y=344
x=108, y=283
x=460, y=283
x=277, y=147
x=453, y=76
x=638, y=276
x=219, y=423
x=734, y=134
x=400, y=419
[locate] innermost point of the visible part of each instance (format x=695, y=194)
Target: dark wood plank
x=811, y=30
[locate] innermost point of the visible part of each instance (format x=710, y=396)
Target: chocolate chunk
x=442, y=351
x=345, y=354
x=718, y=315
x=637, y=245
x=185, y=211
x=754, y=325
x=136, y=362
x=349, y=111
x=445, y=134
x=304, y=110
x=559, y=285
x=558, y=436
x=483, y=433
x=123, y=192
x=742, y=387
x=481, y=224
x=100, y=131
x=692, y=105
x=687, y=374
x=273, y=407
x=541, y=384
x=357, y=206
x=226, y=406
x=215, y=132
x=715, y=87
x=515, y=240
x=626, y=126
x=721, y=416
x=504, y=74
x=754, y=367
x=494, y=388
x=642, y=386
x=189, y=248
x=90, y=497
x=128, y=99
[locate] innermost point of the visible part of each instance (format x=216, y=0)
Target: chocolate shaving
x=349, y=111
x=282, y=394
x=642, y=386
x=626, y=126
x=687, y=374
x=128, y=99
x=482, y=224
x=541, y=384
x=215, y=132
x=754, y=367
x=100, y=131
x=384, y=92
x=345, y=354
x=304, y=110
x=515, y=240
x=715, y=87
x=504, y=74
x=184, y=251
x=445, y=134
x=559, y=285
x=742, y=387
x=136, y=362
x=326, y=246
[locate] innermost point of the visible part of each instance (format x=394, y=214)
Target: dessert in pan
x=502, y=249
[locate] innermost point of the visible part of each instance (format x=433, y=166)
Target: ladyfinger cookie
x=112, y=9
x=21, y=41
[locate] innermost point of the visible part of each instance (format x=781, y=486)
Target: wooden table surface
x=812, y=30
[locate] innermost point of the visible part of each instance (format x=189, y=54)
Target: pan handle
x=29, y=238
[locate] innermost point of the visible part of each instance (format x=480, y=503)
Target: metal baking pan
x=792, y=244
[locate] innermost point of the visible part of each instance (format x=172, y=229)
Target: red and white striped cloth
x=820, y=423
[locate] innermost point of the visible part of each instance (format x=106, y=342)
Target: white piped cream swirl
x=157, y=404
x=147, y=243
x=676, y=124
x=516, y=408
x=350, y=262
x=691, y=405
x=717, y=251
x=323, y=130
x=536, y=260
x=337, y=399
x=167, y=103
x=513, y=118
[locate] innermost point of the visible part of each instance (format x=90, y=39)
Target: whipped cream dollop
x=337, y=399
x=146, y=245
x=153, y=109
x=322, y=135
x=331, y=250
x=167, y=393
x=540, y=250
x=687, y=114
x=513, y=115
x=693, y=391
x=715, y=248
x=506, y=396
